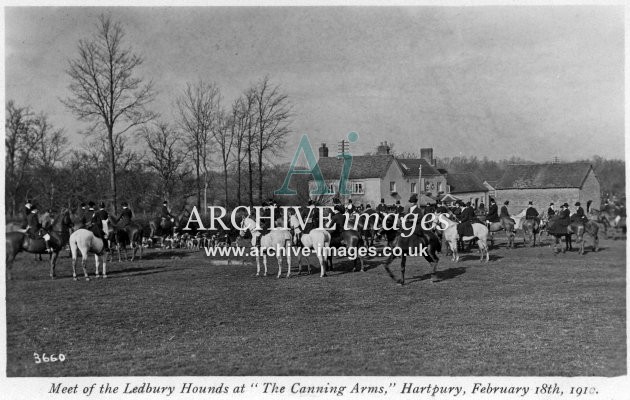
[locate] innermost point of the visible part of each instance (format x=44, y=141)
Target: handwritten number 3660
x=50, y=358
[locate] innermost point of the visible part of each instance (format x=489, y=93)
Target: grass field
x=527, y=312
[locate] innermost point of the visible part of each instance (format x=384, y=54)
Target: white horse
x=275, y=239
x=480, y=231
x=85, y=241
x=316, y=239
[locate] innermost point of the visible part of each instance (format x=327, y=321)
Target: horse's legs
x=403, y=263
x=96, y=265
x=104, y=267
x=265, y=263
x=386, y=265
x=279, y=258
x=288, y=247
x=322, y=264
x=84, y=257
x=257, y=265
x=53, y=263
x=74, y=265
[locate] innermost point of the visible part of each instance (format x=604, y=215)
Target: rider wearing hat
x=350, y=208
x=99, y=219
x=27, y=211
x=398, y=208
x=504, y=210
x=413, y=207
x=125, y=216
x=35, y=229
x=551, y=211
x=579, y=215
x=531, y=212
x=493, y=212
x=166, y=213
x=381, y=208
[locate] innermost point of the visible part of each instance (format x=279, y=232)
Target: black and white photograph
x=333, y=196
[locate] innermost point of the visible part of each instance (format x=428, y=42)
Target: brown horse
x=505, y=224
x=411, y=244
x=59, y=233
x=579, y=229
x=131, y=234
x=531, y=228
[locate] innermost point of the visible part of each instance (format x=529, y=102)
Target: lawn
x=177, y=312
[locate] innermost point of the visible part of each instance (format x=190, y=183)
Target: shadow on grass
x=165, y=254
x=441, y=275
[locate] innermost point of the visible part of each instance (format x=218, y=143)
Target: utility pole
x=344, y=146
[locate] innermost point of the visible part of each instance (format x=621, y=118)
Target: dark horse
x=130, y=234
x=415, y=242
x=352, y=240
x=579, y=229
x=164, y=227
x=531, y=228
x=59, y=234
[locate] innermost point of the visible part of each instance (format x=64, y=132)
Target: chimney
x=427, y=155
x=383, y=149
x=323, y=151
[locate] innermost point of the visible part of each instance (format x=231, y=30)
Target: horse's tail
x=73, y=246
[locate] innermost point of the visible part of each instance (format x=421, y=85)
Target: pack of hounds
x=179, y=240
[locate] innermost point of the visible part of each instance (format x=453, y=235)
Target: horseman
x=493, y=212
x=466, y=218
x=350, y=208
x=381, y=208
x=414, y=208
x=561, y=223
x=579, y=215
x=551, y=211
x=398, y=209
x=338, y=220
x=125, y=216
x=531, y=212
x=166, y=213
x=27, y=211
x=504, y=210
x=99, y=220
x=35, y=229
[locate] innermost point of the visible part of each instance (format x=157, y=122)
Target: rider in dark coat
x=35, y=229
x=399, y=208
x=27, y=211
x=493, y=212
x=550, y=211
x=531, y=212
x=579, y=215
x=166, y=213
x=125, y=216
x=562, y=222
x=467, y=214
x=441, y=208
x=381, y=208
x=97, y=220
x=504, y=210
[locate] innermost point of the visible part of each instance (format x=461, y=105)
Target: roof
x=465, y=183
x=363, y=167
x=544, y=176
x=410, y=167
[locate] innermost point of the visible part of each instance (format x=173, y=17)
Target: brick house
x=547, y=183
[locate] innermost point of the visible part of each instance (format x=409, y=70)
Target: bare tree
x=241, y=117
x=272, y=114
x=22, y=140
x=51, y=149
x=224, y=136
x=199, y=107
x=105, y=90
x=166, y=156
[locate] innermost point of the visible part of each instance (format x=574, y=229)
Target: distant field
x=527, y=312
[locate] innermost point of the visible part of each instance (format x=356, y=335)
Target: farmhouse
x=383, y=176
x=548, y=183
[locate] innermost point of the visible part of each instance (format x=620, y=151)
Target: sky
x=495, y=81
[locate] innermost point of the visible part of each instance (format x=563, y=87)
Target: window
x=392, y=187
x=331, y=188
x=439, y=186
x=357, y=188
x=413, y=187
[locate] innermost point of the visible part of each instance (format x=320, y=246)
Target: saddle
x=465, y=229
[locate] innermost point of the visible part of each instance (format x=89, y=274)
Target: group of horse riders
x=88, y=218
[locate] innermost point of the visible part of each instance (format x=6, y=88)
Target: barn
x=548, y=183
